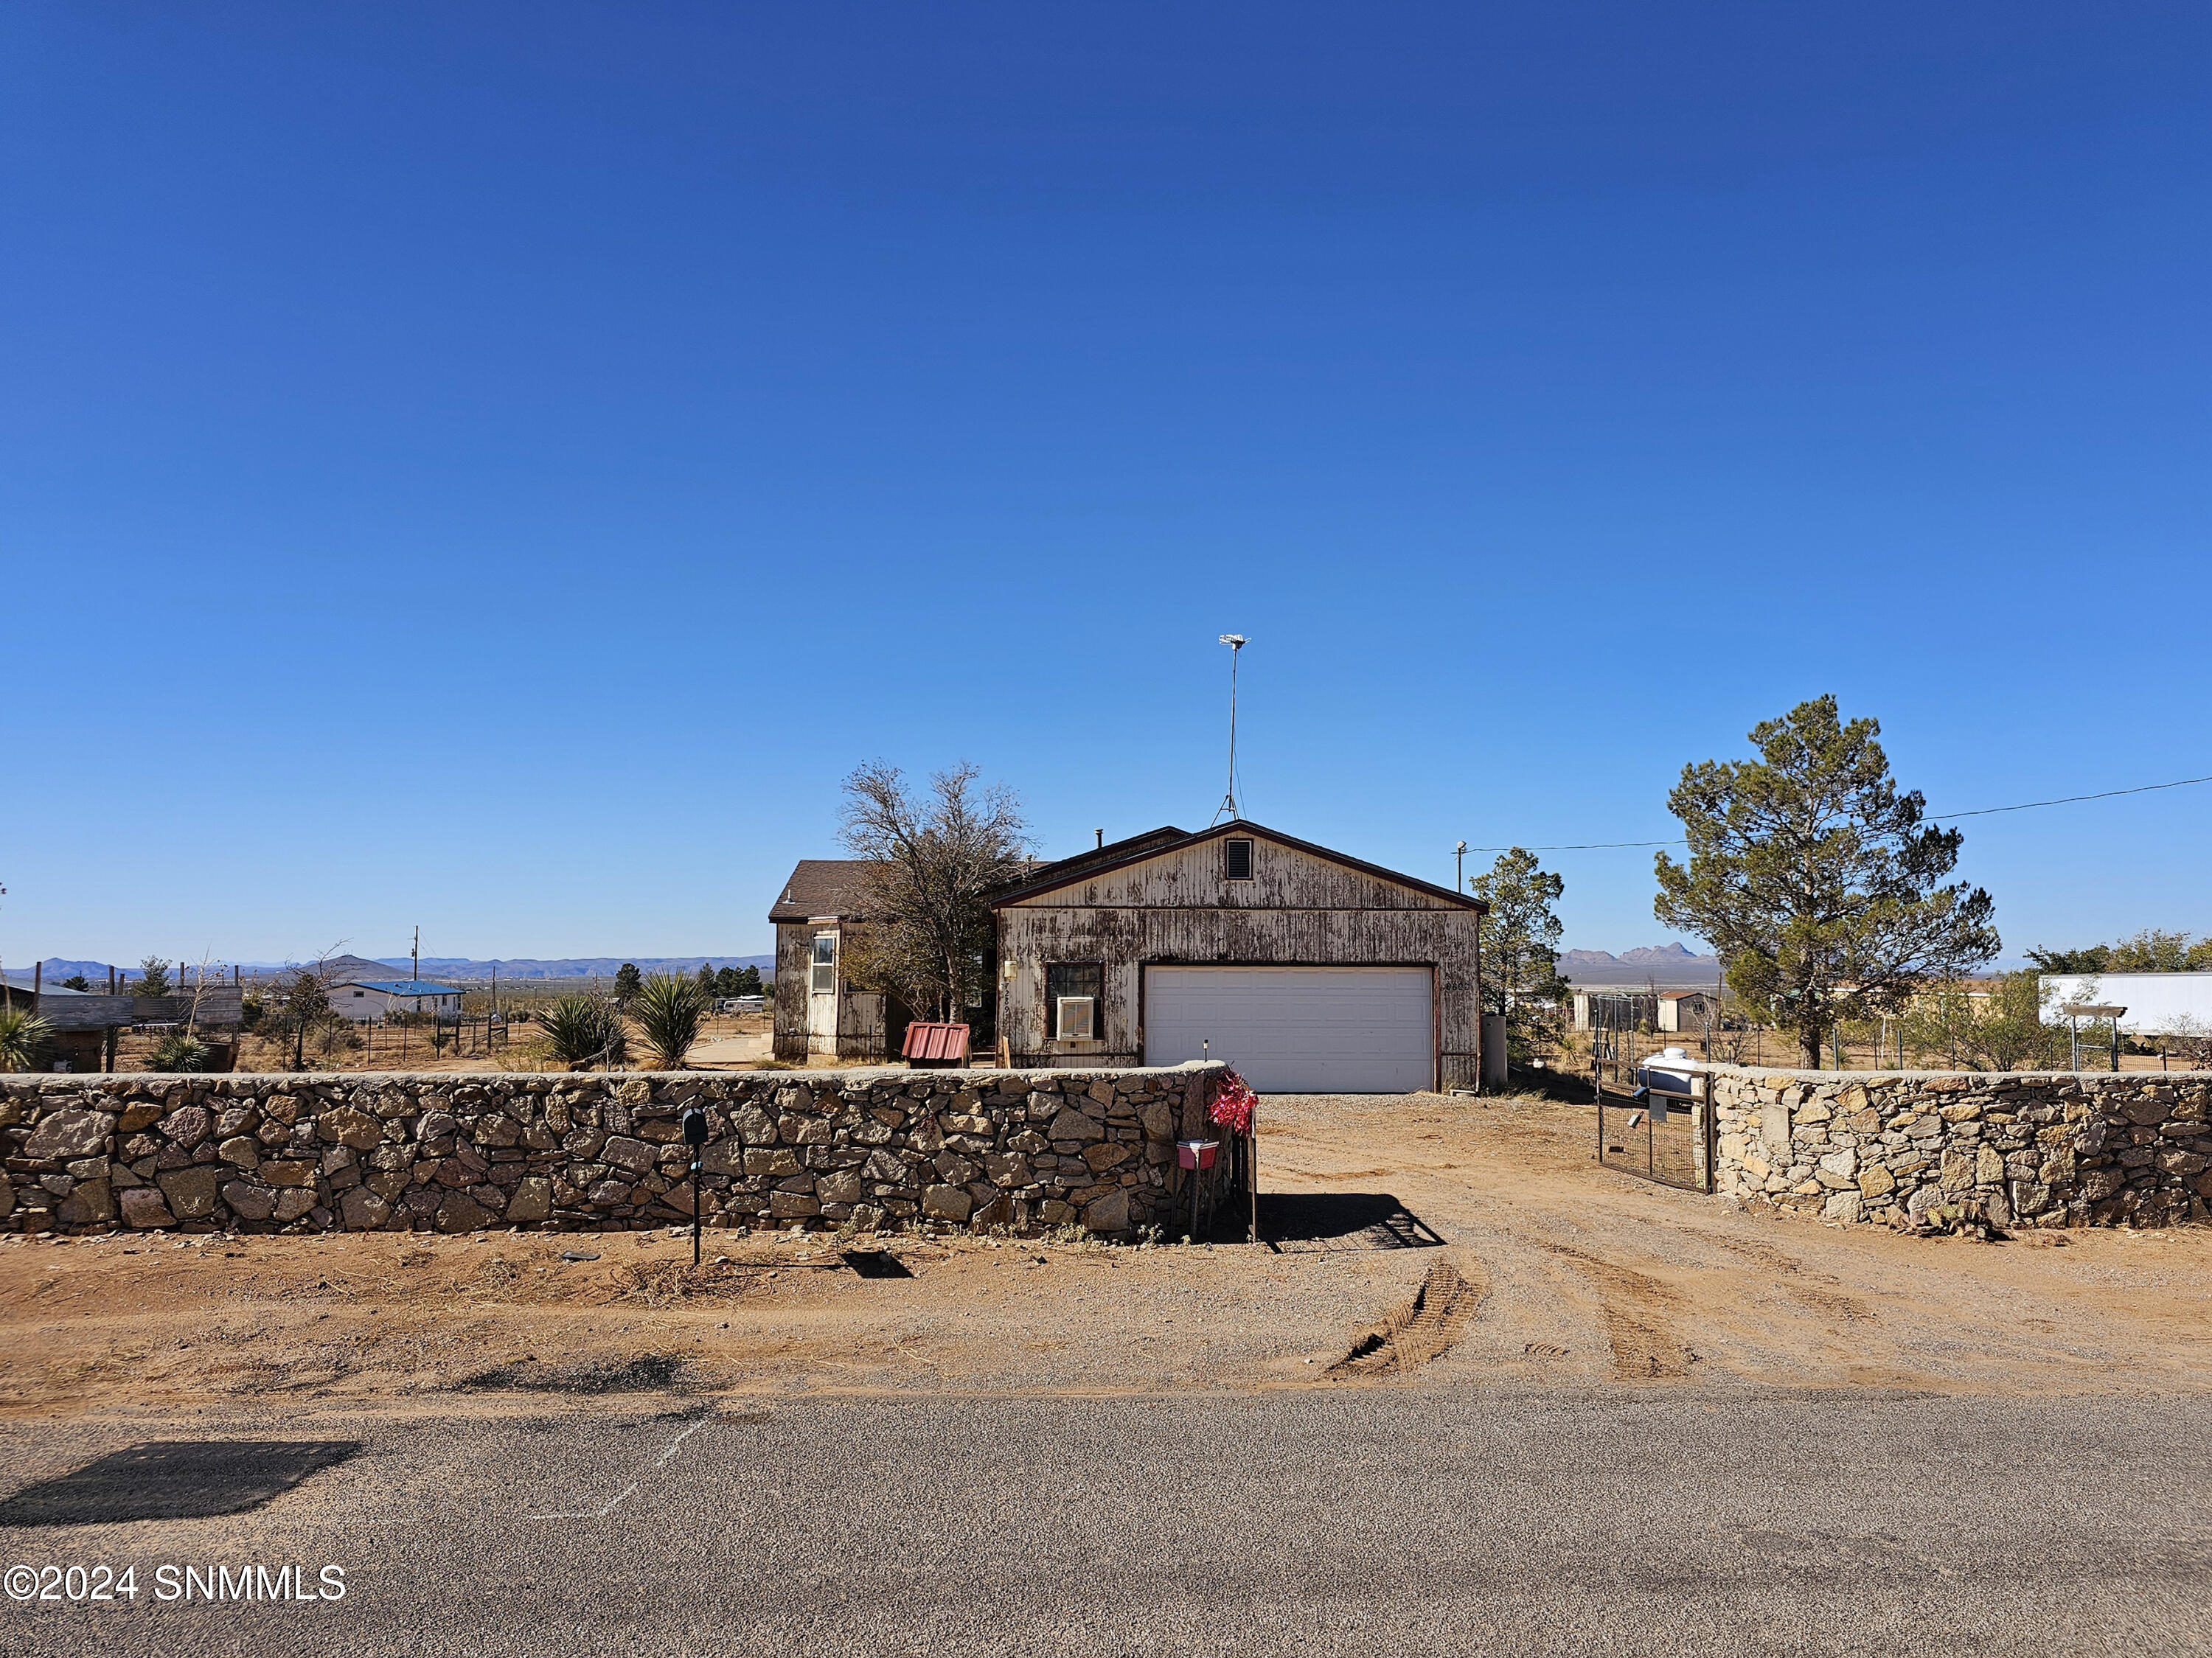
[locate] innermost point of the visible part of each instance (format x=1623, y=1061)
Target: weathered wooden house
x=821, y=914
x=1308, y=971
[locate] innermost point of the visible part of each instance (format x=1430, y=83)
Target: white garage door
x=1296, y=1029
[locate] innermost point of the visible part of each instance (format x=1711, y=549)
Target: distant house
x=1688, y=1010
x=1616, y=1010
x=371, y=999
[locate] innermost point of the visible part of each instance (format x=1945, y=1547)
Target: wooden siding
x=794, y=945
x=1298, y=910
x=865, y=1020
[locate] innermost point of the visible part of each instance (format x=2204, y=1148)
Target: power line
x=1933, y=818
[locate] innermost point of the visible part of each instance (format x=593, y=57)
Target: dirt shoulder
x=1559, y=1272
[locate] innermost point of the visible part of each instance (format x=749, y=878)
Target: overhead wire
x=1933, y=818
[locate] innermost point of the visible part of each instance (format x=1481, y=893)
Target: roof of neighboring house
x=1151, y=846
x=823, y=887
x=22, y=981
x=400, y=986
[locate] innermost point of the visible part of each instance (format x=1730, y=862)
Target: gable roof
x=400, y=986
x=1079, y=869
x=825, y=886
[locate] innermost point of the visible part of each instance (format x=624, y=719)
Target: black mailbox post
x=695, y=1136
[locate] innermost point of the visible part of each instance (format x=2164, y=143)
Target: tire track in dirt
x=1795, y=1280
x=1426, y=1325
x=1640, y=1313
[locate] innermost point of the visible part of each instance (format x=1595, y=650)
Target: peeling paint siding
x=794, y=945
x=1297, y=911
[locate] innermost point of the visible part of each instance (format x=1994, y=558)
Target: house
x=1309, y=971
x=1616, y=1010
x=1688, y=1010
x=821, y=918
x=372, y=998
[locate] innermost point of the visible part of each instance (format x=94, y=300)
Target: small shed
x=1688, y=1010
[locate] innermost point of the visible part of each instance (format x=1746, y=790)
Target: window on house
x=360, y=992
x=1074, y=993
x=825, y=980
x=1237, y=859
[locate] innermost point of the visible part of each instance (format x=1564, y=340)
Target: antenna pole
x=1236, y=643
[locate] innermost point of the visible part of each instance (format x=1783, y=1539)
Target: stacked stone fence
x=867, y=1149
x=2024, y=1148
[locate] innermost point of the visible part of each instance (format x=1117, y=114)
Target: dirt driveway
x=1554, y=1272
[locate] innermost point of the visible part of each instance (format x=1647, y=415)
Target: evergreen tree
x=1816, y=880
x=628, y=982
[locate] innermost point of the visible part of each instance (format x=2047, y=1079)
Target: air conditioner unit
x=1078, y=1018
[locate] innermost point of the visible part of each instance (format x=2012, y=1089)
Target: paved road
x=1400, y=1519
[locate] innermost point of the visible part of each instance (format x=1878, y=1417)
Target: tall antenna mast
x=1236, y=643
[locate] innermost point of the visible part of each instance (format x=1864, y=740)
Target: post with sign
x=695, y=1136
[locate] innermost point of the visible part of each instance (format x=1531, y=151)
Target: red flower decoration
x=1233, y=1104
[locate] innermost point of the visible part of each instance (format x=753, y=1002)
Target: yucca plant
x=179, y=1050
x=584, y=1029
x=670, y=1011
x=23, y=1039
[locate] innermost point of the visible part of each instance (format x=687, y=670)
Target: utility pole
x=1459, y=868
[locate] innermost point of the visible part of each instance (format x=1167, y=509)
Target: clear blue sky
x=499, y=467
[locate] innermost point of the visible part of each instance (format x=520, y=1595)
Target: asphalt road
x=1393, y=1519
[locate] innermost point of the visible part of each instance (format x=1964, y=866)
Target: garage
x=1298, y=1029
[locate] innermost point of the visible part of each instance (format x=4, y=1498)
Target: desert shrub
x=23, y=1039
x=179, y=1050
x=669, y=1011
x=584, y=1029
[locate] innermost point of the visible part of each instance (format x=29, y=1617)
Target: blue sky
x=499, y=467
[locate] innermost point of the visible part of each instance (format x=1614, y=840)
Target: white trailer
x=2157, y=1003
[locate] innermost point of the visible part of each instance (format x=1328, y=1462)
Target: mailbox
x=1196, y=1154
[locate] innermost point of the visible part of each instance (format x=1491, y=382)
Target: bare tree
x=937, y=858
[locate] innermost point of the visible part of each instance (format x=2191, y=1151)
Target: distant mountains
x=58, y=967
x=1671, y=966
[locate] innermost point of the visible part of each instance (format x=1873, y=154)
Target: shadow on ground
x=1299, y=1221
x=174, y=1479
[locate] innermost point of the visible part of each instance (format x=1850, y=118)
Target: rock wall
x=2031, y=1149
x=456, y=1152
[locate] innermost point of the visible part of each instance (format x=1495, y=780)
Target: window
x=1237, y=859
x=1073, y=992
x=825, y=982
x=360, y=992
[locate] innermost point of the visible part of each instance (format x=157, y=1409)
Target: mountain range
x=1671, y=966
x=58, y=967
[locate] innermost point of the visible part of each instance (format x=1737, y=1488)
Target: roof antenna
x=1236, y=643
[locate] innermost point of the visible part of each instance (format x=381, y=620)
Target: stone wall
x=458, y=1152
x=2031, y=1149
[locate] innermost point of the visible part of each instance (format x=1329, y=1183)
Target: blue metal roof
x=405, y=987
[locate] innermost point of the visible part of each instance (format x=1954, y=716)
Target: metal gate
x=1658, y=1133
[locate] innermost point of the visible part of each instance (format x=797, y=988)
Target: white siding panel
x=1298, y=1029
